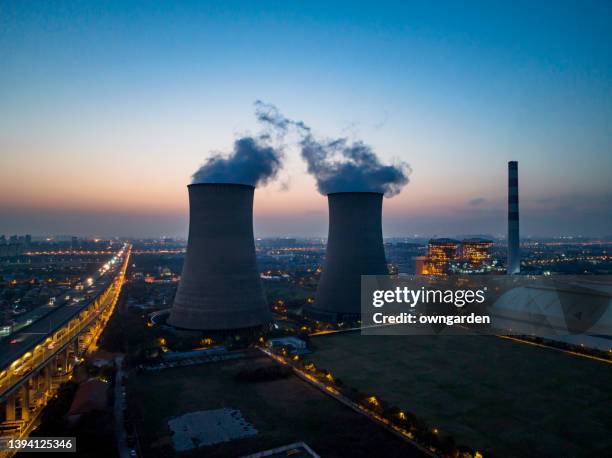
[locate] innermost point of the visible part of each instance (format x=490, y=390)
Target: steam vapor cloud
x=253, y=161
x=338, y=165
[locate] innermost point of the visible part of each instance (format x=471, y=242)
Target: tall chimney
x=220, y=287
x=354, y=248
x=514, y=249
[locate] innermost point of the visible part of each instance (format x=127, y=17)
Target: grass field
x=489, y=393
x=283, y=411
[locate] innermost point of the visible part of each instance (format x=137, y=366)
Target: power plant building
x=354, y=248
x=220, y=288
x=476, y=251
x=440, y=252
x=446, y=256
x=421, y=265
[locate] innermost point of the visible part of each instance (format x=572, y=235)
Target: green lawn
x=283, y=411
x=489, y=393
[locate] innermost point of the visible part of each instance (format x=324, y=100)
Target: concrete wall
x=354, y=248
x=220, y=288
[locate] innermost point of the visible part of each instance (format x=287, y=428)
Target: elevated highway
x=35, y=360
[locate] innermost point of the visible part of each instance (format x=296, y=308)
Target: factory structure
x=354, y=248
x=448, y=256
x=220, y=288
x=514, y=248
x=473, y=256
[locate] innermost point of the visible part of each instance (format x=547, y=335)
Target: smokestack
x=220, y=287
x=354, y=248
x=514, y=249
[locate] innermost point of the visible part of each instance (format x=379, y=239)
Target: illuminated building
x=440, y=253
x=421, y=265
x=448, y=256
x=476, y=251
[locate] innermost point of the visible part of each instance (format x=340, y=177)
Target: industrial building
x=421, y=265
x=297, y=345
x=576, y=312
x=440, y=252
x=220, y=288
x=476, y=251
x=446, y=256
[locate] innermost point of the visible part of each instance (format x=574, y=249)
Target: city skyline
x=108, y=109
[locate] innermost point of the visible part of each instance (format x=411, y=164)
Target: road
x=23, y=353
x=334, y=393
x=120, y=434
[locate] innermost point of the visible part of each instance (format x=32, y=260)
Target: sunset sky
x=107, y=108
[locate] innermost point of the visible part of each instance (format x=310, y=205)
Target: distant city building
x=402, y=255
x=280, y=242
x=15, y=246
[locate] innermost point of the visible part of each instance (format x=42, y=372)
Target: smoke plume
x=338, y=165
x=253, y=161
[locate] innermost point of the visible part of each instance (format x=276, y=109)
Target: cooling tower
x=220, y=288
x=354, y=248
x=514, y=249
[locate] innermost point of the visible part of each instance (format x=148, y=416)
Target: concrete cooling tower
x=220, y=288
x=354, y=248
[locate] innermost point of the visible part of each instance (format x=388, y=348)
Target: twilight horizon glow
x=108, y=108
